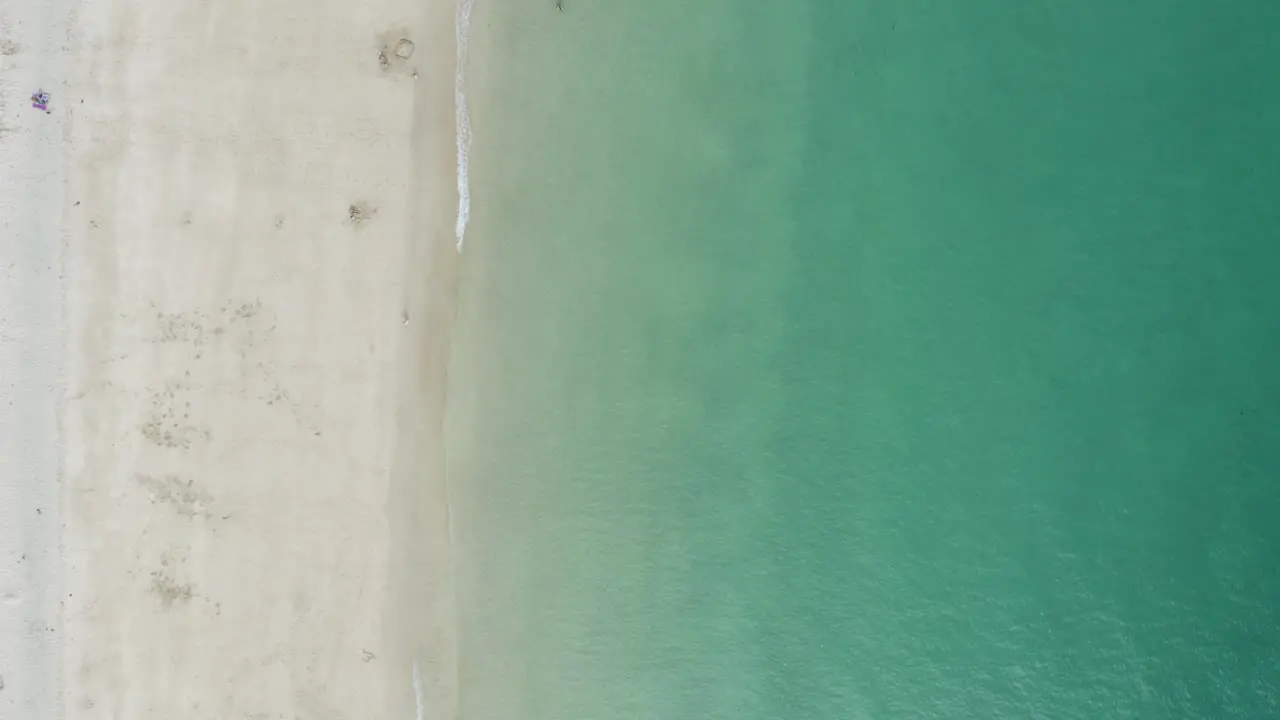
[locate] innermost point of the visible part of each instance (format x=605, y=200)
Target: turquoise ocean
x=859, y=360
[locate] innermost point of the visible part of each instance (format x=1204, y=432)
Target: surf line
x=417, y=690
x=462, y=119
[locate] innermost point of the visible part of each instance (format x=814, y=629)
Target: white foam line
x=462, y=119
x=417, y=690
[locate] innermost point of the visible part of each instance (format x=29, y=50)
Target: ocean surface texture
x=850, y=360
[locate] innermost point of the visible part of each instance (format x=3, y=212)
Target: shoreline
x=418, y=502
x=259, y=211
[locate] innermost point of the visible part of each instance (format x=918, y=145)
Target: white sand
x=220, y=404
x=31, y=251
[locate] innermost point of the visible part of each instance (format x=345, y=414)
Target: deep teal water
x=869, y=360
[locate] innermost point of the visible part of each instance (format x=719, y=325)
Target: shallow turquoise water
x=840, y=360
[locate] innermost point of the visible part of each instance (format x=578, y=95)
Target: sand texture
x=32, y=183
x=230, y=215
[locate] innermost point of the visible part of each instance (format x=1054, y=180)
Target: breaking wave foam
x=417, y=691
x=462, y=119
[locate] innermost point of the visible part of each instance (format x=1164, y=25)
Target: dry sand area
x=228, y=255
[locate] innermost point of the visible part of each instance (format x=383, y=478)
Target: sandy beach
x=224, y=326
